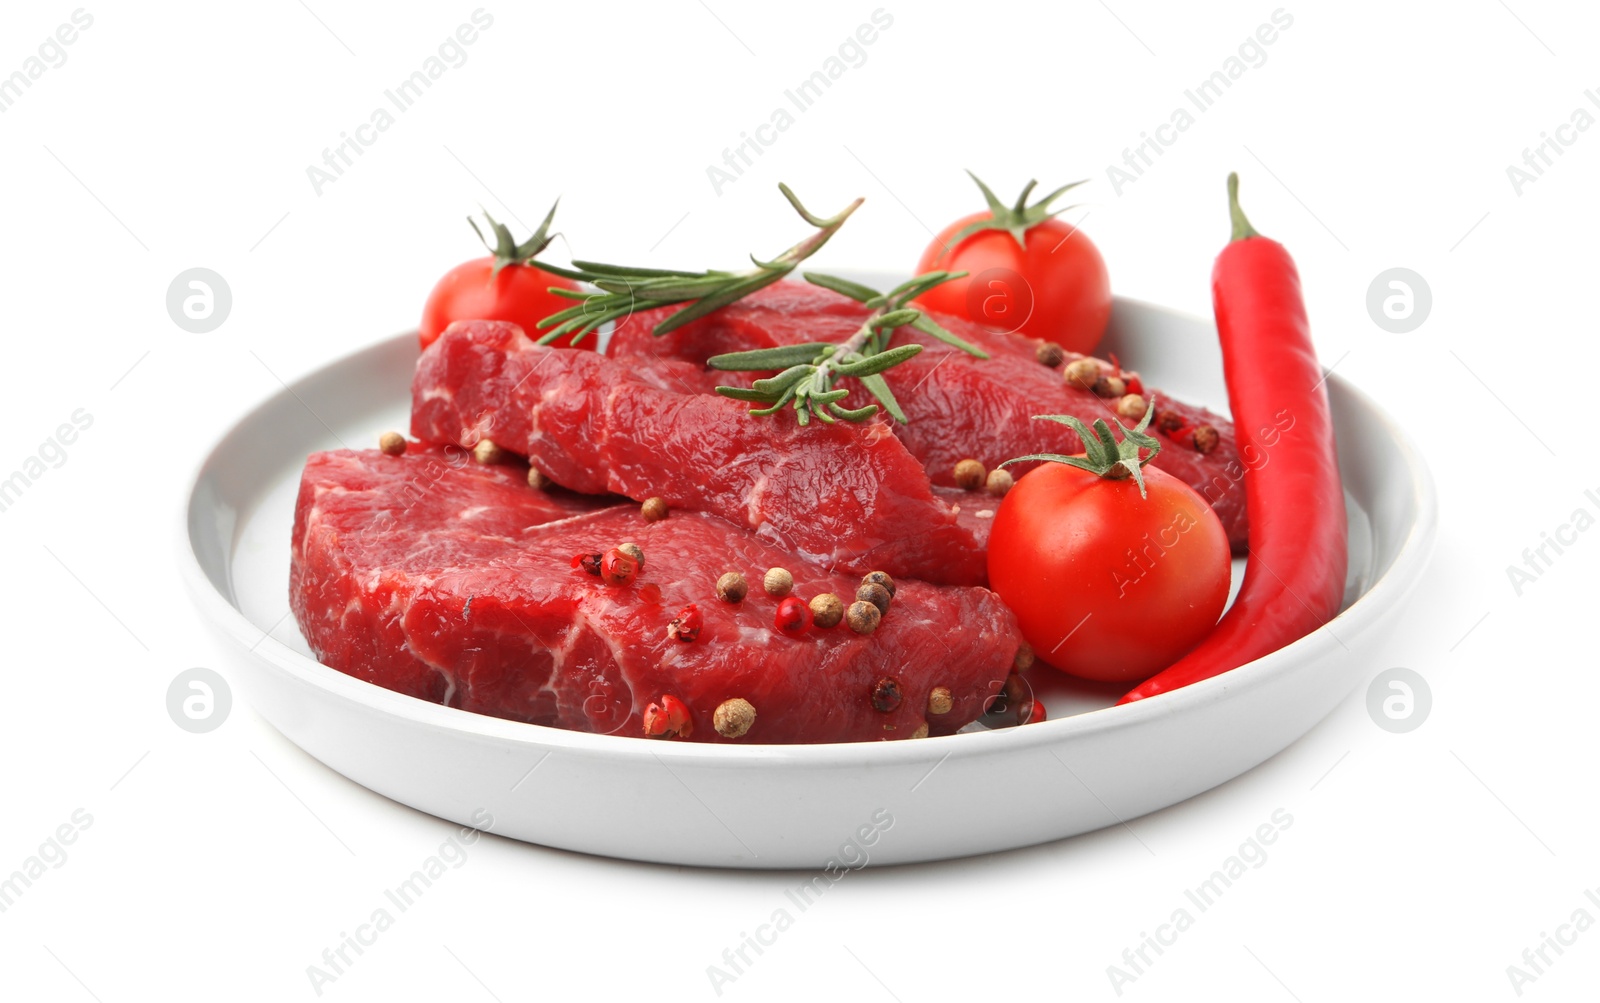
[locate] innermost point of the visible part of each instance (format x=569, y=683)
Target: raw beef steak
x=846, y=495
x=455, y=583
x=958, y=406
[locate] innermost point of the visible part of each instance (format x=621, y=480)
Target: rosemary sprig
x=899, y=298
x=624, y=289
x=807, y=372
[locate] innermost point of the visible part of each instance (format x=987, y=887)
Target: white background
x=1418, y=866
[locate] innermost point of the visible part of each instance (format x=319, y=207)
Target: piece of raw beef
x=846, y=495
x=958, y=406
x=455, y=583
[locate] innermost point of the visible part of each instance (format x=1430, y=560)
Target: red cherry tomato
x=518, y=292
x=470, y=292
x=1105, y=584
x=1052, y=284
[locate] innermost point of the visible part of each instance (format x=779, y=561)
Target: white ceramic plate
x=1089, y=766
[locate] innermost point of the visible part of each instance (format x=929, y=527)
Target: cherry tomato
x=1030, y=273
x=1106, y=584
x=517, y=292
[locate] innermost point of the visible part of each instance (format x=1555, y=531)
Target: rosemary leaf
x=742, y=394
x=768, y=358
x=932, y=328
x=872, y=365
x=879, y=388
x=844, y=287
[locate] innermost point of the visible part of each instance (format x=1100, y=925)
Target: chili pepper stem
x=1242, y=230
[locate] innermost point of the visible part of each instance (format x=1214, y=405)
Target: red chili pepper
x=1294, y=579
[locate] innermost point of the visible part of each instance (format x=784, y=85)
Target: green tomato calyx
x=1016, y=219
x=1104, y=456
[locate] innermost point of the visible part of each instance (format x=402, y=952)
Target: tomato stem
x=1103, y=455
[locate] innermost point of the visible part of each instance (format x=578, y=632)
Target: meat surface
x=958, y=406
x=454, y=583
x=846, y=496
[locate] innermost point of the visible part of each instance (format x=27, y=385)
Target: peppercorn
x=733, y=717
x=999, y=483
x=1168, y=422
x=940, y=701
x=1206, y=439
x=826, y=610
x=634, y=551
x=875, y=594
x=687, y=625
x=862, y=617
x=1049, y=354
x=1131, y=406
x=777, y=582
x=969, y=474
x=793, y=616
x=922, y=731
x=1081, y=373
x=1024, y=658
x=1109, y=386
x=668, y=718
x=879, y=578
x=588, y=562
x=654, y=509
x=487, y=453
x=392, y=443
x=537, y=480
x=732, y=587
x=885, y=695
